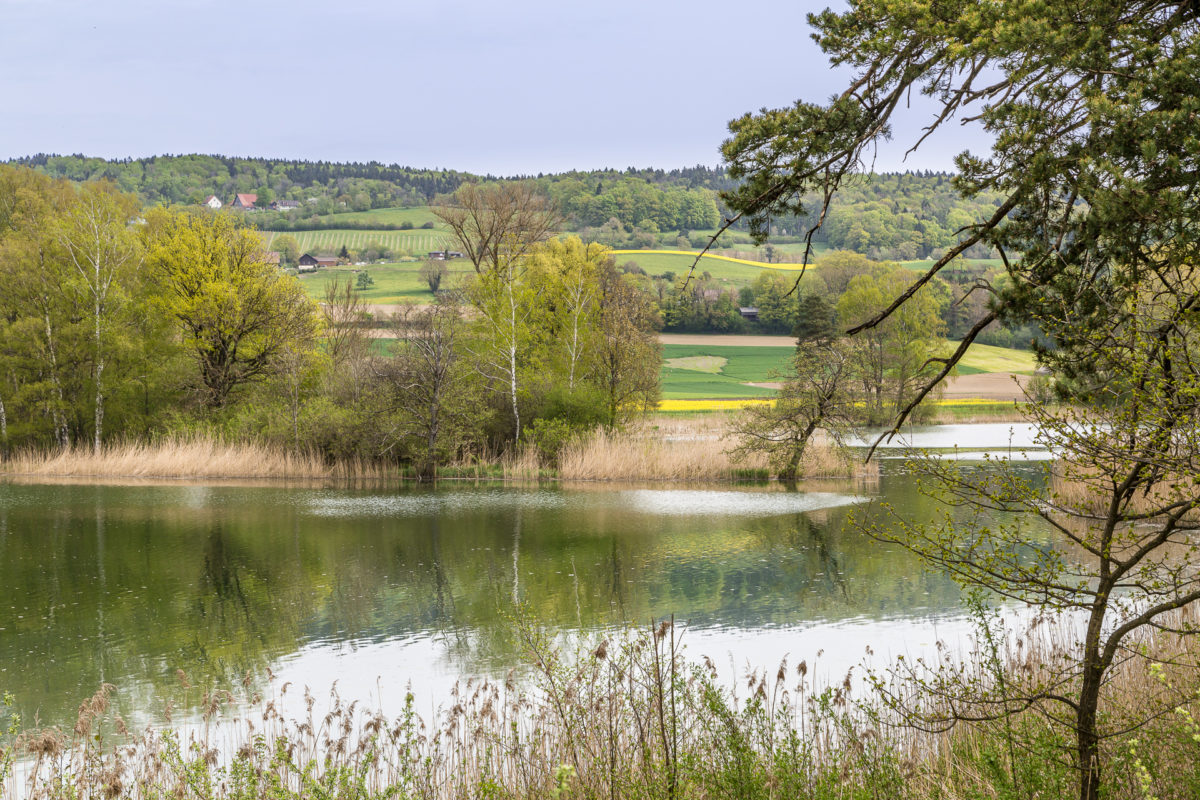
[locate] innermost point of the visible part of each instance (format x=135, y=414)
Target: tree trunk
x=60, y=422
x=99, y=418
x=792, y=467
x=429, y=467
x=512, y=376
x=1087, y=736
x=1088, y=745
x=3, y=432
x=98, y=371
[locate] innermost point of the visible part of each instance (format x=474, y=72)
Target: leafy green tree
x=81, y=345
x=628, y=354
x=433, y=271
x=237, y=314
x=892, y=360
x=836, y=268
x=819, y=392
x=435, y=395
x=40, y=330
x=568, y=270
x=1095, y=166
x=288, y=249
x=509, y=330
x=776, y=302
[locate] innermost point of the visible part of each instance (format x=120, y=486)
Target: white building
x=212, y=202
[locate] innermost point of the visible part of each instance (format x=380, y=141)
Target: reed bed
x=637, y=455
x=625, y=716
x=685, y=449
x=188, y=456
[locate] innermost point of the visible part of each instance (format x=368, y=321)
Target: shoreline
x=661, y=450
x=670, y=448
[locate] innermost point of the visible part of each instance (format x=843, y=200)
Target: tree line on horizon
x=885, y=216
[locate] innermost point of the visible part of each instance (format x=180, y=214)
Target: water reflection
x=129, y=584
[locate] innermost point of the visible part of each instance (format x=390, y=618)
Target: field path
x=999, y=386
x=986, y=386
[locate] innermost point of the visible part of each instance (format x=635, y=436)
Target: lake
x=387, y=589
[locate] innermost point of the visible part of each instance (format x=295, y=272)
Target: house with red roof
x=246, y=201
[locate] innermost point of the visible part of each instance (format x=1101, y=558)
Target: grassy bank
x=626, y=716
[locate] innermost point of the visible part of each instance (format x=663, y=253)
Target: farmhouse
x=749, y=312
x=444, y=255
x=309, y=262
x=285, y=205
x=246, y=201
x=212, y=202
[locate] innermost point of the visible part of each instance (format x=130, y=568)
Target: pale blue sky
x=520, y=87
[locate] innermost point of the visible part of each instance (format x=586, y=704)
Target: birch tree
x=568, y=272
x=104, y=256
x=509, y=330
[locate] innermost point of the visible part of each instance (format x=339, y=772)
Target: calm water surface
x=387, y=589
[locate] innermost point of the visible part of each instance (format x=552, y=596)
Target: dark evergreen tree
x=816, y=322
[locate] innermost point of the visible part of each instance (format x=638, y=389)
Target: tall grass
x=187, y=456
x=624, y=717
x=683, y=449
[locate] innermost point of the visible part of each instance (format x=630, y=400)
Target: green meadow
x=394, y=283
x=988, y=358
x=700, y=371
x=679, y=263
x=693, y=372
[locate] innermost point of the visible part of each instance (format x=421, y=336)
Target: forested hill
x=899, y=216
x=192, y=178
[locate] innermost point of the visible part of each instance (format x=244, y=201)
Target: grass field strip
x=692, y=254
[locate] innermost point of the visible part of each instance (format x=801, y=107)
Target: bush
x=549, y=435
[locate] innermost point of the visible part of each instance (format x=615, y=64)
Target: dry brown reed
x=1081, y=491
x=522, y=464
x=684, y=449
x=642, y=455
x=187, y=456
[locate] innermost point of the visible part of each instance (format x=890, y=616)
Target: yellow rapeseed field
x=710, y=405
